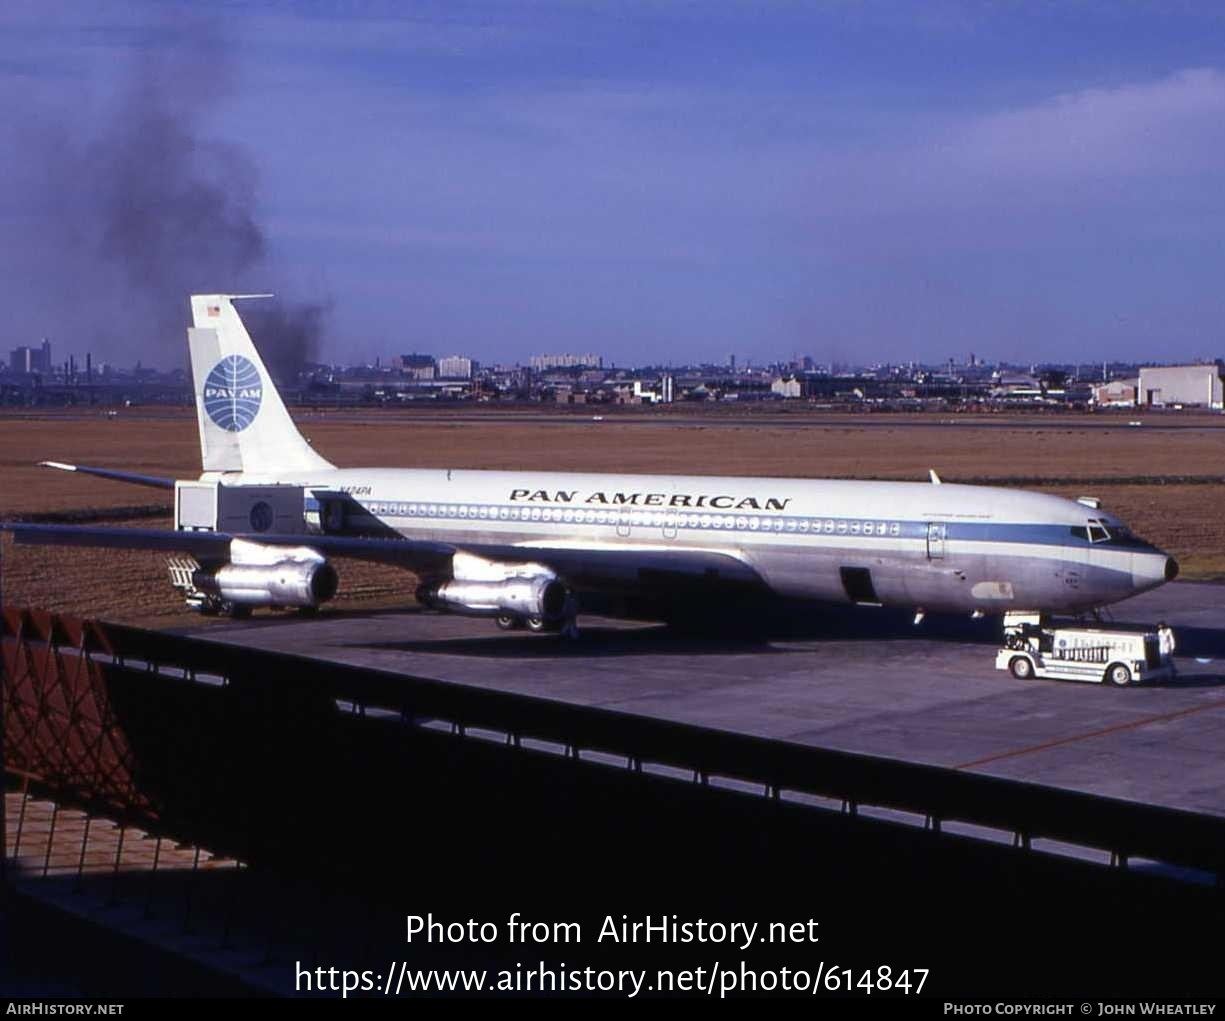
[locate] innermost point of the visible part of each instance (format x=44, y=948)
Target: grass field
x=1165, y=478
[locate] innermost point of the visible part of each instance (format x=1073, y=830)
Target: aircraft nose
x=1148, y=570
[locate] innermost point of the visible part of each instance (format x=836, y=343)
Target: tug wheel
x=1021, y=668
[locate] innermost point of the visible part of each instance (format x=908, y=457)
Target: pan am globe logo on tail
x=232, y=393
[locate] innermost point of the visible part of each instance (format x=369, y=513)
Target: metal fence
x=58, y=733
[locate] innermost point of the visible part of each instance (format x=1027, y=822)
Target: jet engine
x=485, y=588
x=259, y=575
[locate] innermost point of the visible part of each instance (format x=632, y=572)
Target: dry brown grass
x=1185, y=519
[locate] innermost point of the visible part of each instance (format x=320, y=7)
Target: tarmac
x=928, y=693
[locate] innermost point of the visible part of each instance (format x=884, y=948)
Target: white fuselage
x=929, y=546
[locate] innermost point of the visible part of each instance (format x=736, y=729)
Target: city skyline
x=652, y=182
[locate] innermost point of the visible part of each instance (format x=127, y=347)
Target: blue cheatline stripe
x=1045, y=535
x=691, y=521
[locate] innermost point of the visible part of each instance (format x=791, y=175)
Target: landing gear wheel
x=508, y=621
x=537, y=625
x=1021, y=668
x=1118, y=675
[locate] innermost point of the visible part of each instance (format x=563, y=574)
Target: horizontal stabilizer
x=153, y=481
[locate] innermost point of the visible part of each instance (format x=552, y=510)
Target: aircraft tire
x=508, y=621
x=537, y=625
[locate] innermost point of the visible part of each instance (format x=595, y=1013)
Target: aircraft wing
x=216, y=545
x=153, y=481
x=582, y=566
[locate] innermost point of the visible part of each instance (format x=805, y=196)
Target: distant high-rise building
x=542, y=363
x=32, y=359
x=455, y=367
x=418, y=366
x=22, y=360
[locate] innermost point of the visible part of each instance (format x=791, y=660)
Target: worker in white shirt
x=1165, y=642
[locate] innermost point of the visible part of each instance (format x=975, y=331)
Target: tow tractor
x=1034, y=647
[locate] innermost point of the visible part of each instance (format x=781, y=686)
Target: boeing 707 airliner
x=531, y=548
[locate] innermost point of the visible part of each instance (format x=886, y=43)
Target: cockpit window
x=1097, y=531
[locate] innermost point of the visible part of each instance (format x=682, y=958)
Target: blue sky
x=656, y=181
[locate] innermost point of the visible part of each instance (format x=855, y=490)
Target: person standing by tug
x=1166, y=643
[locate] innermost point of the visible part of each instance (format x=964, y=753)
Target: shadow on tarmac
x=712, y=634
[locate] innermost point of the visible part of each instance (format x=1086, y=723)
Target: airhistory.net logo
x=232, y=393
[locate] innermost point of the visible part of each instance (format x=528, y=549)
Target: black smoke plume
x=138, y=207
x=288, y=335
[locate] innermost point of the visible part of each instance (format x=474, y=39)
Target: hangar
x=1165, y=385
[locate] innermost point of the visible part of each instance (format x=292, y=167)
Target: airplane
x=533, y=548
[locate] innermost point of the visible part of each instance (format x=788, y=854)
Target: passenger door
x=937, y=532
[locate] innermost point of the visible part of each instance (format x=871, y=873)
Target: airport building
x=1171, y=385
x=1117, y=393
x=788, y=387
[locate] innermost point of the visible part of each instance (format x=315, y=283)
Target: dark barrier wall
x=407, y=819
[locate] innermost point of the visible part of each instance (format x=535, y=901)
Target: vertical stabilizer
x=244, y=426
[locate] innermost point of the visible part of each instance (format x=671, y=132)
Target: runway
x=897, y=692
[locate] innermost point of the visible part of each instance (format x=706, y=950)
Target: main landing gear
x=567, y=626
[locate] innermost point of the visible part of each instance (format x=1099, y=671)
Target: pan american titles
x=692, y=500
